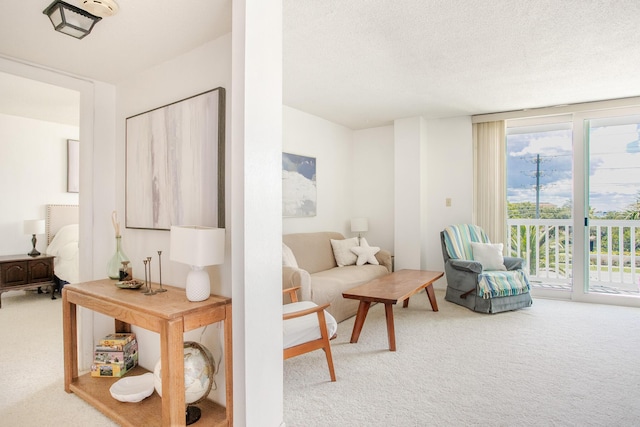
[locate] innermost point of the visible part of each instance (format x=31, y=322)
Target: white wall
x=362, y=182
x=449, y=174
x=33, y=174
x=446, y=159
x=204, y=68
x=372, y=183
x=331, y=145
x=409, y=191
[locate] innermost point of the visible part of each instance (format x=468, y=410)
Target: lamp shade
x=34, y=226
x=197, y=246
x=70, y=20
x=359, y=225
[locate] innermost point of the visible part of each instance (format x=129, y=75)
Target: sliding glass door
x=573, y=200
x=540, y=200
x=613, y=203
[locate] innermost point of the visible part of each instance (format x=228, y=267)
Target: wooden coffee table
x=389, y=289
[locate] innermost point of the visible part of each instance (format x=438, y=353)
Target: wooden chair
x=304, y=332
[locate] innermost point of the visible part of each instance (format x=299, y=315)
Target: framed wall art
x=175, y=164
x=299, y=193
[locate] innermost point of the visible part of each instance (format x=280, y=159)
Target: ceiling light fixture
x=102, y=8
x=70, y=20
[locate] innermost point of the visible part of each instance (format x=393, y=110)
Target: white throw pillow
x=489, y=255
x=288, y=258
x=366, y=254
x=342, y=251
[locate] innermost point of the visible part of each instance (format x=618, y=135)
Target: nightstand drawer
x=40, y=270
x=14, y=273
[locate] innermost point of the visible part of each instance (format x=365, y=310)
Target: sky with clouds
x=614, y=169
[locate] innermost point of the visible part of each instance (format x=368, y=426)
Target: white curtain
x=489, y=183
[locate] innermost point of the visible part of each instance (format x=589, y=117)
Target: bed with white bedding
x=62, y=230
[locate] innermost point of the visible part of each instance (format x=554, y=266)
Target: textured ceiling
x=364, y=63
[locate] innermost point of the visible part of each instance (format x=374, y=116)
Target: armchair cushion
x=304, y=329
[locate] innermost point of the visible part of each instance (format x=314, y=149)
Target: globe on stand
x=199, y=369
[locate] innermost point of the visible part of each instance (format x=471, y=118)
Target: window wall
x=573, y=199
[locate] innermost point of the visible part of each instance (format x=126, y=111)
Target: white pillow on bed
x=64, y=247
x=67, y=234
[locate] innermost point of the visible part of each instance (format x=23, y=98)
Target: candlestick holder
x=160, y=272
x=147, y=282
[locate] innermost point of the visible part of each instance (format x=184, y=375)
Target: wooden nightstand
x=25, y=272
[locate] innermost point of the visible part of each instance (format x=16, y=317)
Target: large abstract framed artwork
x=175, y=164
x=298, y=185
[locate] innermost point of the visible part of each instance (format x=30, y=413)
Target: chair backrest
x=458, y=238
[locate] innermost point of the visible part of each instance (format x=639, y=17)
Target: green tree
x=633, y=210
x=527, y=210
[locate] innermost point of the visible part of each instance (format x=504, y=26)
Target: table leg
x=172, y=356
x=391, y=330
x=228, y=363
x=405, y=303
x=70, y=339
x=432, y=297
x=363, y=309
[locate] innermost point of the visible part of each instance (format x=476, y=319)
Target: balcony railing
x=547, y=247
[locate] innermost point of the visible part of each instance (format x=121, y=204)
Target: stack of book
x=115, y=355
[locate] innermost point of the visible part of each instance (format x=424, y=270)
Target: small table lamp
x=359, y=225
x=33, y=227
x=197, y=247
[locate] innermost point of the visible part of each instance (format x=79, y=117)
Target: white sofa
x=320, y=278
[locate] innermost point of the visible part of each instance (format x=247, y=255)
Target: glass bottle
x=125, y=271
x=113, y=267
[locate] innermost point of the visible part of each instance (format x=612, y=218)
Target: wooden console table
x=170, y=314
x=25, y=272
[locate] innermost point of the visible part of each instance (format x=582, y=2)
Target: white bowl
x=133, y=389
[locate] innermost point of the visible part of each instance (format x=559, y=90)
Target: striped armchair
x=481, y=283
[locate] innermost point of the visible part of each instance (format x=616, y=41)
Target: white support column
x=255, y=218
x=409, y=143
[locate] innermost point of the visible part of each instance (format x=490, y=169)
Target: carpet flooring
x=31, y=356
x=556, y=363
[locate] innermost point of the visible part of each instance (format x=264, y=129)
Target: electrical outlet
x=447, y=202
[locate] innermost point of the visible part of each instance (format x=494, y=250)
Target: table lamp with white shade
x=33, y=227
x=197, y=247
x=359, y=225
